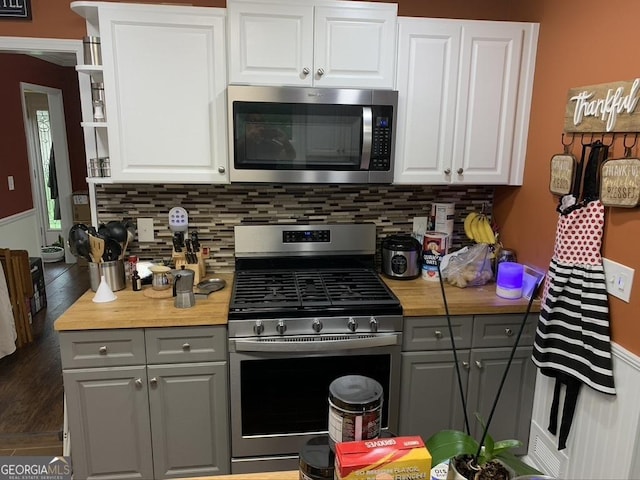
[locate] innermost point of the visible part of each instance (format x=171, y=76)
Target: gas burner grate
x=308, y=288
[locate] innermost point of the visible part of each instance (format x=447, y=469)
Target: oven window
x=271, y=136
x=292, y=395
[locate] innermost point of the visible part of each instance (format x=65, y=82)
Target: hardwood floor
x=31, y=393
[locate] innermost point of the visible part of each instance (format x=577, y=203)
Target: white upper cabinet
x=321, y=44
x=464, y=101
x=165, y=86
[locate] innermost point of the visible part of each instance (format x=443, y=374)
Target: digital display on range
x=305, y=236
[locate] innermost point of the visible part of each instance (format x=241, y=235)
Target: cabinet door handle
x=460, y=171
x=138, y=383
x=103, y=350
x=465, y=365
x=186, y=347
x=320, y=72
x=153, y=382
x=508, y=332
x=478, y=364
x=447, y=171
x=437, y=334
x=221, y=169
x=305, y=71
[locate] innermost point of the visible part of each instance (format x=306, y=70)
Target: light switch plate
x=619, y=279
x=145, y=230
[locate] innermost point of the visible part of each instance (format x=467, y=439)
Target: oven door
x=280, y=388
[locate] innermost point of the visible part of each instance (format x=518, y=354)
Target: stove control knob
x=352, y=324
x=373, y=324
x=258, y=328
x=317, y=325
x=281, y=327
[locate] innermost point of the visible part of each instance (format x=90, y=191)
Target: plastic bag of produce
x=469, y=268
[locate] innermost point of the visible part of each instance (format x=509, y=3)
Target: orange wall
x=581, y=43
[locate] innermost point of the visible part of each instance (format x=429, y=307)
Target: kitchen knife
x=195, y=242
x=189, y=254
x=178, y=241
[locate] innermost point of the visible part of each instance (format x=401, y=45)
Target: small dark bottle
x=136, y=281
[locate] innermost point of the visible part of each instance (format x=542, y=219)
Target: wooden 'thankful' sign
x=620, y=182
x=608, y=107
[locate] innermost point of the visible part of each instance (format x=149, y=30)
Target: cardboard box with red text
x=399, y=458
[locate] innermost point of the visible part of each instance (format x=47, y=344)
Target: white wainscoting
x=20, y=232
x=604, y=440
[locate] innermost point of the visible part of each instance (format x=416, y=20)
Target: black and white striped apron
x=572, y=342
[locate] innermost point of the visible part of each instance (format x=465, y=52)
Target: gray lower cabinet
x=430, y=392
x=165, y=414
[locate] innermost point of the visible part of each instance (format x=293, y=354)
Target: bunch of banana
x=477, y=227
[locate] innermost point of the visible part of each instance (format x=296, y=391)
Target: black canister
x=355, y=409
x=316, y=459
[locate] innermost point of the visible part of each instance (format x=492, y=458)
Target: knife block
x=199, y=269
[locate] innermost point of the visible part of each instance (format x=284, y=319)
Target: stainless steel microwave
x=311, y=135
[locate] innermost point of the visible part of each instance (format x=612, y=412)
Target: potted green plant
x=54, y=252
x=469, y=460
x=482, y=459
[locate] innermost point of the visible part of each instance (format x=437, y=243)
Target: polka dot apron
x=572, y=342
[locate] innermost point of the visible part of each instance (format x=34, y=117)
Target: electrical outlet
x=145, y=230
x=12, y=185
x=619, y=279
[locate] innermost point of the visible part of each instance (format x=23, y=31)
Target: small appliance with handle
x=401, y=257
x=183, y=281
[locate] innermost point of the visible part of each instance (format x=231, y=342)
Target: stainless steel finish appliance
x=401, y=257
x=307, y=307
x=311, y=135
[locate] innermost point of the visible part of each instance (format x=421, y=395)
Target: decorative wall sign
x=620, y=182
x=563, y=169
x=15, y=9
x=608, y=107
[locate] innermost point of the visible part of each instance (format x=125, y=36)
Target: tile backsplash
x=215, y=209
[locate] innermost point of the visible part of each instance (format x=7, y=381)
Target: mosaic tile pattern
x=215, y=209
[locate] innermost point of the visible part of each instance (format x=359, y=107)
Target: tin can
x=91, y=50
x=355, y=409
x=443, y=215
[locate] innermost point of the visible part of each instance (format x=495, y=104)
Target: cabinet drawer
x=186, y=344
x=432, y=333
x=102, y=348
x=502, y=330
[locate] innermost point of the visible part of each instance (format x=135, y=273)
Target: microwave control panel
x=381, y=141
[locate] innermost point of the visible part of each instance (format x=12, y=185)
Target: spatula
x=97, y=248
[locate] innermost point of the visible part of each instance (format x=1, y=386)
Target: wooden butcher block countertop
x=420, y=297
x=136, y=310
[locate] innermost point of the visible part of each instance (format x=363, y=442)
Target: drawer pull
x=508, y=332
x=186, y=347
x=479, y=364
x=437, y=334
x=103, y=350
x=153, y=382
x=138, y=383
x=465, y=365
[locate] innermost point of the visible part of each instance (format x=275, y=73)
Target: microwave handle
x=367, y=135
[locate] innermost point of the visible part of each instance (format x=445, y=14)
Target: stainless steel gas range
x=307, y=307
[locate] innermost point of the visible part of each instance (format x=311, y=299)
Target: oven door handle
x=349, y=343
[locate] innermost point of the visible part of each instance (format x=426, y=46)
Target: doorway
x=50, y=180
x=63, y=53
